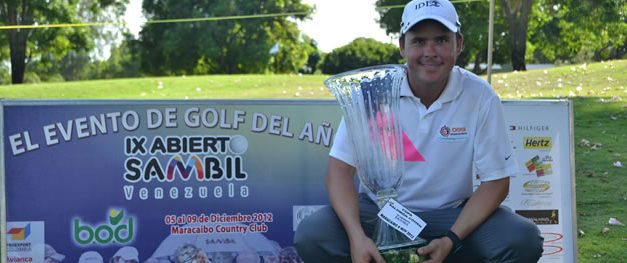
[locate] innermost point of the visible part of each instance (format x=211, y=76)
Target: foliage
x=28, y=45
x=313, y=62
x=122, y=63
x=5, y=74
x=476, y=35
x=560, y=32
x=361, y=52
x=47, y=68
x=223, y=46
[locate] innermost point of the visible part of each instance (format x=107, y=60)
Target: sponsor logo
x=552, y=243
x=540, y=167
x=445, y=131
x=541, y=217
x=427, y=4
x=453, y=133
x=420, y=5
x=535, y=203
x=544, y=143
x=19, y=233
x=220, y=241
x=117, y=229
x=19, y=259
x=528, y=127
x=536, y=186
x=24, y=239
x=552, y=237
x=19, y=247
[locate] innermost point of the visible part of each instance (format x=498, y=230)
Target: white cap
x=127, y=253
x=90, y=257
x=51, y=253
x=442, y=11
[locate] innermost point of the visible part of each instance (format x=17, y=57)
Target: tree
x=314, y=57
x=223, y=46
x=517, y=16
x=361, y=52
x=27, y=44
x=568, y=30
x=122, y=63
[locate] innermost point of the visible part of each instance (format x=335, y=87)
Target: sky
x=335, y=22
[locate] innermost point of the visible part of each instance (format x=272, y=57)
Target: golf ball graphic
x=238, y=144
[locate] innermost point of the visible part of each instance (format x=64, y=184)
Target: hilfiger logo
x=538, y=143
x=453, y=133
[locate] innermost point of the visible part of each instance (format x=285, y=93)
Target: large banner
x=172, y=181
x=162, y=178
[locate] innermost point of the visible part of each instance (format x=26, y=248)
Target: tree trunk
x=517, y=16
x=17, y=45
x=18, y=14
x=478, y=60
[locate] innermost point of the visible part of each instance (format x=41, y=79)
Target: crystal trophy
x=370, y=102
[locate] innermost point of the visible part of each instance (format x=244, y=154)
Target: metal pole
x=490, y=40
x=3, y=203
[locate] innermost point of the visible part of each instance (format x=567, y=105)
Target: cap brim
x=57, y=257
x=130, y=258
x=446, y=23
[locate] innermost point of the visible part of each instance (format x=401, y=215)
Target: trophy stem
x=386, y=237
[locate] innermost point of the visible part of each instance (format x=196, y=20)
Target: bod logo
x=113, y=231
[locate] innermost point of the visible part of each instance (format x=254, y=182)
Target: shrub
x=362, y=52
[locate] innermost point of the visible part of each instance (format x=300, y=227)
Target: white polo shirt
x=462, y=133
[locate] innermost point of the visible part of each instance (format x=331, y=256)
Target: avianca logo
x=19, y=233
x=410, y=151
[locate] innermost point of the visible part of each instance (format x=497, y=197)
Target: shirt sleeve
x=494, y=154
x=342, y=148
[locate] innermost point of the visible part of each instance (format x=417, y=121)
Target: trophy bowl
x=370, y=102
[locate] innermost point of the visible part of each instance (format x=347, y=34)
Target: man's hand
x=437, y=249
x=363, y=250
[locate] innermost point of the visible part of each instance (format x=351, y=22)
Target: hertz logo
x=537, y=142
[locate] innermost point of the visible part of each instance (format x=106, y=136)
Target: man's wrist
x=457, y=242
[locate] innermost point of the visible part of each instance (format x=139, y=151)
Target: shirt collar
x=451, y=91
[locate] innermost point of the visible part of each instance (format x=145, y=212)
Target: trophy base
x=407, y=245
x=403, y=253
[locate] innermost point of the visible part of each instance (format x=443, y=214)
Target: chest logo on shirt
x=453, y=133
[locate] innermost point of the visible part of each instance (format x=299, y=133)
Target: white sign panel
x=541, y=134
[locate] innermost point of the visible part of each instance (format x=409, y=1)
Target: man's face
x=431, y=51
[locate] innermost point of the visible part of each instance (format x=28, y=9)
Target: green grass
x=597, y=90
x=184, y=87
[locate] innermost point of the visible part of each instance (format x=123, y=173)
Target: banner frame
x=278, y=102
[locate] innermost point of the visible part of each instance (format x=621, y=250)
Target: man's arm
x=481, y=204
x=344, y=200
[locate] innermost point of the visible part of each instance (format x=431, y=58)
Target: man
x=126, y=254
x=90, y=257
x=51, y=255
x=455, y=121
